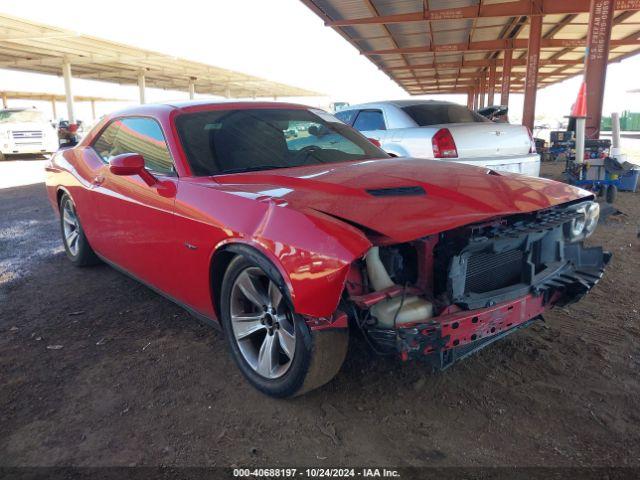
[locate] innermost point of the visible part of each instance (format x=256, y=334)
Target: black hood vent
x=396, y=191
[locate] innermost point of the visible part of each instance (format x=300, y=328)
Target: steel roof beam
x=489, y=45
x=508, y=9
x=478, y=63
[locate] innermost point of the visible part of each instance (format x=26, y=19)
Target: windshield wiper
x=253, y=169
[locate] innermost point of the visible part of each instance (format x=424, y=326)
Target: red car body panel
x=304, y=219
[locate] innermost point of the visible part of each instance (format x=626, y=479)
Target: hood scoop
x=397, y=191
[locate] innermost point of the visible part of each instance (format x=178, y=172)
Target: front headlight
x=585, y=223
x=592, y=212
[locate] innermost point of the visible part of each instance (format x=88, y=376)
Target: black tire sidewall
x=289, y=383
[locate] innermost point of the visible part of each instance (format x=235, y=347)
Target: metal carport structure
x=7, y=95
x=479, y=46
x=34, y=47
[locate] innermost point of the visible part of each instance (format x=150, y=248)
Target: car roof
x=401, y=103
x=200, y=105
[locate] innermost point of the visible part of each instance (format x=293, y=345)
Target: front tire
x=75, y=242
x=272, y=345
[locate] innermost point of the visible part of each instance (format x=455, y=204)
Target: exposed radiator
x=491, y=271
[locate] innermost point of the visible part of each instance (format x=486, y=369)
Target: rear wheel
x=75, y=242
x=273, y=347
x=612, y=193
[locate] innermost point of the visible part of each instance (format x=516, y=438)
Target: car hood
x=401, y=199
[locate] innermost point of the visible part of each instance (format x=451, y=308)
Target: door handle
x=97, y=181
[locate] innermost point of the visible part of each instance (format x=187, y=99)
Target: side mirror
x=127, y=164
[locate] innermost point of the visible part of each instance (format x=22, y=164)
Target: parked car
x=445, y=131
x=26, y=131
x=285, y=248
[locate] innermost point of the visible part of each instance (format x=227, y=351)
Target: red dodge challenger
x=287, y=228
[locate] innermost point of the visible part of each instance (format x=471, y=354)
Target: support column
x=483, y=89
x=5, y=103
x=192, y=88
x=227, y=92
x=476, y=96
x=506, y=78
x=492, y=84
x=596, y=58
x=470, y=96
x=531, y=79
x=142, y=87
x=54, y=108
x=93, y=109
x=66, y=73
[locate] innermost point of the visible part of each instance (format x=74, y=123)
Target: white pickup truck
x=26, y=131
x=444, y=131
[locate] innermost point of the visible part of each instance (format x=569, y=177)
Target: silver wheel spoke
x=249, y=290
x=72, y=240
x=68, y=218
x=267, y=356
x=246, y=329
x=274, y=295
x=287, y=342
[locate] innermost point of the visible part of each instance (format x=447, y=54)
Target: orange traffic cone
x=580, y=107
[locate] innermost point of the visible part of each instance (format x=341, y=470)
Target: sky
x=281, y=40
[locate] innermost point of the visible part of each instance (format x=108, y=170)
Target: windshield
x=439, y=113
x=7, y=116
x=228, y=141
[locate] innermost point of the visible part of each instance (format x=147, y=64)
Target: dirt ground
x=96, y=369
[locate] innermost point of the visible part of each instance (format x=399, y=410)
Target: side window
x=346, y=116
x=104, y=145
x=369, y=120
x=144, y=136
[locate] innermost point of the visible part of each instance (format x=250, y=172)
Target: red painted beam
x=475, y=63
x=483, y=89
x=492, y=83
x=508, y=9
x=531, y=80
x=598, y=42
x=491, y=45
x=470, y=96
x=506, y=78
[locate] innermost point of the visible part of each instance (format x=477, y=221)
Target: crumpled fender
x=312, y=251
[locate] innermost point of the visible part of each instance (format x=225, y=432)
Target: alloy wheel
x=71, y=227
x=262, y=323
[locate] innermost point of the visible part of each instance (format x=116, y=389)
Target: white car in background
x=446, y=131
x=26, y=131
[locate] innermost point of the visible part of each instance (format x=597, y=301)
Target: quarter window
x=144, y=136
x=369, y=120
x=105, y=144
x=136, y=135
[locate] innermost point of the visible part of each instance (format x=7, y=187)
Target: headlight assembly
x=592, y=216
x=583, y=225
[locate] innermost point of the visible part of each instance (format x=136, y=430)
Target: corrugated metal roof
x=438, y=31
x=29, y=46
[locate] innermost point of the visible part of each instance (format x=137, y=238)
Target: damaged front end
x=448, y=295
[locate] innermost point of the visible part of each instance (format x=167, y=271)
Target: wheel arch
x=59, y=194
x=225, y=252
